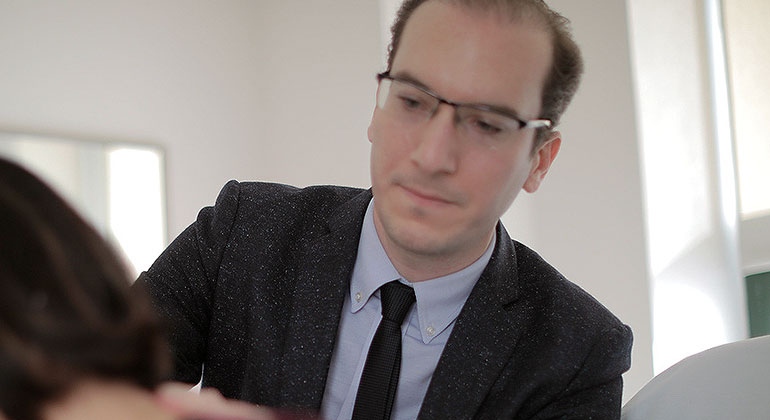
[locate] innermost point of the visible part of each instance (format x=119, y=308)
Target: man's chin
x=424, y=243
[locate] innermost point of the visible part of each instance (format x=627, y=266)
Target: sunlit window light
x=745, y=24
x=686, y=321
x=136, y=205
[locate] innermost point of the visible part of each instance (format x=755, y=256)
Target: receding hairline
x=505, y=11
x=514, y=11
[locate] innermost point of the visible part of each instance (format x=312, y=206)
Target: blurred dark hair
x=567, y=63
x=66, y=310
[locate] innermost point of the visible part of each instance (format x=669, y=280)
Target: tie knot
x=397, y=298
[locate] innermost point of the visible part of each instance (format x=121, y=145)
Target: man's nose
x=436, y=148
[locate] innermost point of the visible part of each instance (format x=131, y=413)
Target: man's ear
x=542, y=161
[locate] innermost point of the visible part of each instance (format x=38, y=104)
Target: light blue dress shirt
x=426, y=330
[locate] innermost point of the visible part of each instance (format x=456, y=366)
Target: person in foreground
x=75, y=341
x=409, y=300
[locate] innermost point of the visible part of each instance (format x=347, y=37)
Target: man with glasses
x=409, y=299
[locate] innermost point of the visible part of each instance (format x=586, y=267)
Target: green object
x=758, y=296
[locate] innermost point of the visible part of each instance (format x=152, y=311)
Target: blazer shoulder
x=553, y=292
x=279, y=203
x=266, y=193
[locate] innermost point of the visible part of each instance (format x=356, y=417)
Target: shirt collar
x=439, y=300
x=373, y=267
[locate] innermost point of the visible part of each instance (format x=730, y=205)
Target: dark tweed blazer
x=253, y=293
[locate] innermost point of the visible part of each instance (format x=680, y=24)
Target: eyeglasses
x=413, y=104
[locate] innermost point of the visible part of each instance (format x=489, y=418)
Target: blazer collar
x=323, y=275
x=482, y=341
x=502, y=267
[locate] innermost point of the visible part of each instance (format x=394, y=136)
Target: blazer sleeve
x=596, y=390
x=182, y=282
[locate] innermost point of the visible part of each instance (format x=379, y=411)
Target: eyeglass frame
x=533, y=123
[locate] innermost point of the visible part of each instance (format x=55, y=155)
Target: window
x=748, y=63
x=746, y=34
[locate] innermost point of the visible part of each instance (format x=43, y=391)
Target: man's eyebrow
x=406, y=76
x=498, y=108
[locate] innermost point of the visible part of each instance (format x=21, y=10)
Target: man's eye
x=486, y=127
x=411, y=103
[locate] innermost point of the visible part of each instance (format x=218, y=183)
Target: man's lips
x=426, y=197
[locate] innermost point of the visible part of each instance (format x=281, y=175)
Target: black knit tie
x=379, y=379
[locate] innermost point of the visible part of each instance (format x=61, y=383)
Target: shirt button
x=430, y=330
x=358, y=297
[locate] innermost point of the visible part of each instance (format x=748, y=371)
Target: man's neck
x=417, y=267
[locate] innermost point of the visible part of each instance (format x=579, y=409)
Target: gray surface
x=727, y=382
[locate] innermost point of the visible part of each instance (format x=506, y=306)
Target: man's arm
x=182, y=281
x=596, y=390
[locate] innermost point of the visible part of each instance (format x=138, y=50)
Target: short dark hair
x=67, y=312
x=567, y=63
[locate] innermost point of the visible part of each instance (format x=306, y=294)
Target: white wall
x=755, y=247
x=278, y=90
x=282, y=90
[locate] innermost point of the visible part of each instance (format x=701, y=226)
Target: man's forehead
x=472, y=56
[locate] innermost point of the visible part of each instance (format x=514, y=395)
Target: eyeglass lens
x=409, y=104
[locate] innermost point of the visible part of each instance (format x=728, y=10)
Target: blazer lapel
x=323, y=277
x=481, y=343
